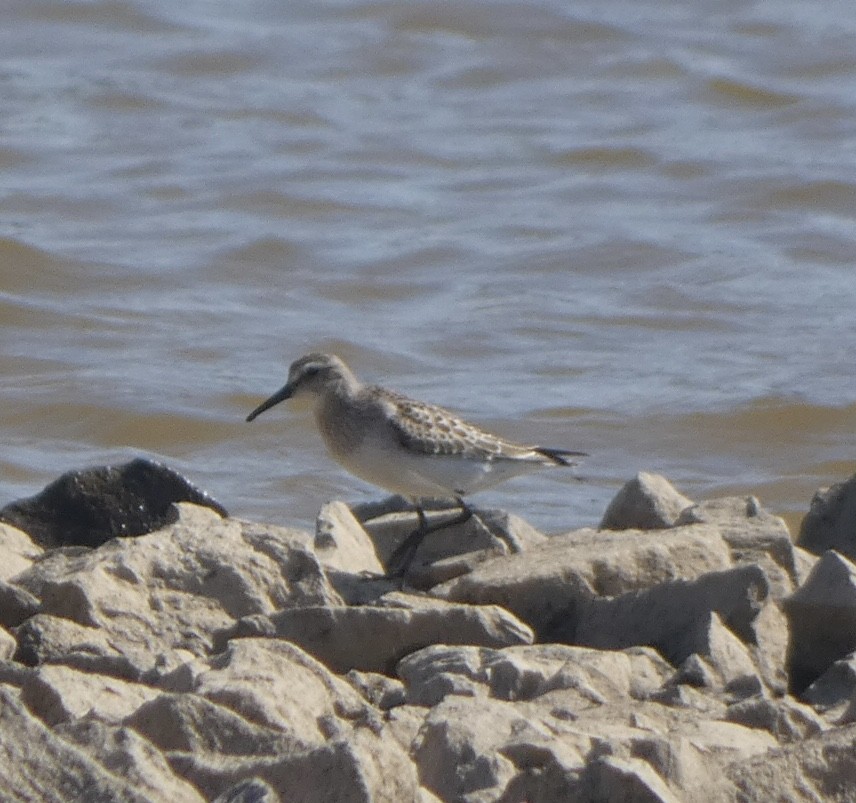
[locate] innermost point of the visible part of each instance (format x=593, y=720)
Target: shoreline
x=683, y=648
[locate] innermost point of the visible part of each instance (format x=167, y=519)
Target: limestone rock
x=786, y=719
x=710, y=639
x=822, y=620
x=174, y=665
x=253, y=790
x=93, y=505
x=381, y=691
x=16, y=605
x=130, y=757
x=7, y=645
x=818, y=768
x=17, y=551
x=547, y=584
x=753, y=535
x=835, y=690
x=59, y=693
x=374, y=638
x=329, y=737
x=37, y=764
x=465, y=748
x=676, y=759
x=274, y=683
x=805, y=562
x=190, y=723
x=342, y=543
x=647, y=502
x=831, y=521
x=341, y=771
x=611, y=778
x=769, y=645
x=660, y=616
x=527, y=672
x=449, y=551
x=480, y=748
x=174, y=588
x=52, y=639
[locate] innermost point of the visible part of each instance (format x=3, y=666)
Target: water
x=620, y=227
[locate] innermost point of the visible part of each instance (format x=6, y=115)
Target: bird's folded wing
x=431, y=430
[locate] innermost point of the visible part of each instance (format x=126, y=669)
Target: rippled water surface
x=622, y=227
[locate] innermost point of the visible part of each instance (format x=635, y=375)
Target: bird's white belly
x=416, y=475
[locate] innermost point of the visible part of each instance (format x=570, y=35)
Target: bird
x=405, y=446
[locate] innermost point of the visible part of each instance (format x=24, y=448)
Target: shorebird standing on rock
x=408, y=447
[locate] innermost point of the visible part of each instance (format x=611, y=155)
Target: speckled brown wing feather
x=431, y=430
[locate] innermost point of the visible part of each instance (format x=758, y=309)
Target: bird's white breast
x=420, y=475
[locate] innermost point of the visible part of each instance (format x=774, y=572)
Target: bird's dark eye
x=311, y=370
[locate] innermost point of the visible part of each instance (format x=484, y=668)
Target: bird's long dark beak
x=281, y=395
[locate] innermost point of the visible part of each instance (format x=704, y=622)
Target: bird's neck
x=334, y=415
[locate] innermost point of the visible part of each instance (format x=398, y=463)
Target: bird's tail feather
x=560, y=456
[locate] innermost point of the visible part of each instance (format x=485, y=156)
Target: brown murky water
x=621, y=227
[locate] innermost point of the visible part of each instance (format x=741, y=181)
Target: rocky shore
x=154, y=649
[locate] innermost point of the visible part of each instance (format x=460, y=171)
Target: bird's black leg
x=466, y=513
x=400, y=560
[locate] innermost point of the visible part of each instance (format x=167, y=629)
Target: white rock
x=59, y=694
x=129, y=756
x=287, y=721
x=611, y=778
x=173, y=588
x=711, y=639
x=527, y=672
x=190, y=723
x=375, y=639
x=822, y=620
x=44, y=638
x=785, y=718
x=8, y=645
x=753, y=535
x=546, y=584
x=38, y=765
x=659, y=616
x=462, y=745
x=17, y=551
x=341, y=543
x=819, y=768
x=647, y=502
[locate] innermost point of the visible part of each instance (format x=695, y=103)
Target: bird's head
x=312, y=375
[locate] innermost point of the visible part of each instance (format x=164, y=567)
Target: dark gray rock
x=831, y=521
x=90, y=506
